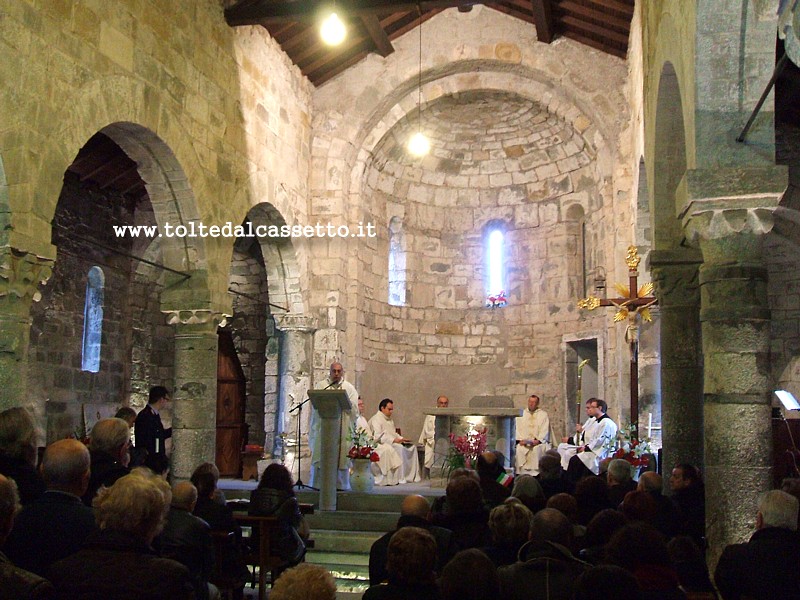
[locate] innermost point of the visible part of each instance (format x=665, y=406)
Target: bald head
x=184, y=495
x=650, y=482
x=65, y=467
x=416, y=506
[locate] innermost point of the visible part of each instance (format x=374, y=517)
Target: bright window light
x=496, y=262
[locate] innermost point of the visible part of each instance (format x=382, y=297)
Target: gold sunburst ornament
x=589, y=303
x=632, y=258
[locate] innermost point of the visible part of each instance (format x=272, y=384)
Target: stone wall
x=135, y=348
x=521, y=139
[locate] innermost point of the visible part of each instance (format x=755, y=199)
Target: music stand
x=299, y=483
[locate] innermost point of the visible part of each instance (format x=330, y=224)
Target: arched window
x=93, y=321
x=495, y=247
x=397, y=262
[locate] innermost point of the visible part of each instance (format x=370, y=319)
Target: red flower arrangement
x=465, y=449
x=363, y=445
x=497, y=300
x=636, y=451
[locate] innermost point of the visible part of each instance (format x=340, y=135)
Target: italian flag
x=505, y=479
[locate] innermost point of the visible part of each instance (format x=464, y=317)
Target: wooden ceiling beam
x=595, y=30
x=613, y=5
x=543, y=18
x=584, y=12
x=373, y=26
x=264, y=12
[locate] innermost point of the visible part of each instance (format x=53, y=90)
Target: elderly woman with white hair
x=119, y=562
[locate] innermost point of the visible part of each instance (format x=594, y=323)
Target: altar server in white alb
x=598, y=435
x=398, y=456
x=361, y=420
x=533, y=437
x=428, y=436
x=335, y=381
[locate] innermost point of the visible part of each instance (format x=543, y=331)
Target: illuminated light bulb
x=333, y=30
x=418, y=144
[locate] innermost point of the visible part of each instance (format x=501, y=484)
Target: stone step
x=352, y=521
x=358, y=542
x=358, y=561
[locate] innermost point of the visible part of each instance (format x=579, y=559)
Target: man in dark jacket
x=148, y=429
x=689, y=498
x=187, y=539
x=56, y=524
x=766, y=566
x=546, y=568
x=119, y=561
x=109, y=447
x=16, y=582
x=414, y=512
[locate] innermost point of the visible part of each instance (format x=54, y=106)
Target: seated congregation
x=87, y=525
x=600, y=536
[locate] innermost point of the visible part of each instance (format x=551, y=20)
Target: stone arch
x=151, y=133
x=674, y=269
x=280, y=259
x=5, y=208
x=670, y=161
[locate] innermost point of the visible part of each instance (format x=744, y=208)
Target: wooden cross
x=633, y=306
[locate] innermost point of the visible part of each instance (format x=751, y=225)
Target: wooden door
x=231, y=398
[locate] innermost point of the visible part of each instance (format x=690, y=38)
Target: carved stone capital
x=21, y=273
x=721, y=223
x=295, y=322
x=199, y=316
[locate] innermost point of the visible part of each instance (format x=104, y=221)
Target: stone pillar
x=296, y=337
x=194, y=421
x=735, y=321
x=676, y=286
x=20, y=275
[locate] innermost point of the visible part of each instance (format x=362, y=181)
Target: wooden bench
x=262, y=556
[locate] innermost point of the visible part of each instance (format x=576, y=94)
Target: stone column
x=20, y=275
x=194, y=421
x=676, y=286
x=296, y=337
x=735, y=321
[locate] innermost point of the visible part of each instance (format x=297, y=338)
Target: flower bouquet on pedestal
x=465, y=450
x=496, y=300
x=630, y=447
x=363, y=454
x=363, y=445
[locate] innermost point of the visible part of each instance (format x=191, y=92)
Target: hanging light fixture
x=418, y=144
x=333, y=30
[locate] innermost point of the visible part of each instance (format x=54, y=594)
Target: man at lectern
x=335, y=381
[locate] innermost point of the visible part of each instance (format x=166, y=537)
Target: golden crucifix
x=634, y=307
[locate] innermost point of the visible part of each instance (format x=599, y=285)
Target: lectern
x=329, y=404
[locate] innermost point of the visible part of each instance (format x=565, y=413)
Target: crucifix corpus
x=634, y=307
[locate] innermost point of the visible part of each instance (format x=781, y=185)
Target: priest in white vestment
x=533, y=437
x=335, y=381
x=398, y=456
x=428, y=436
x=361, y=420
x=598, y=435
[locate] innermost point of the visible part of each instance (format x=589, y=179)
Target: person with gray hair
x=18, y=453
x=546, y=568
x=119, y=561
x=765, y=566
x=16, y=582
x=56, y=524
x=304, y=581
x=509, y=523
x=109, y=446
x=187, y=539
x=619, y=479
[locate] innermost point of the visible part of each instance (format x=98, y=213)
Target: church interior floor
x=342, y=539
